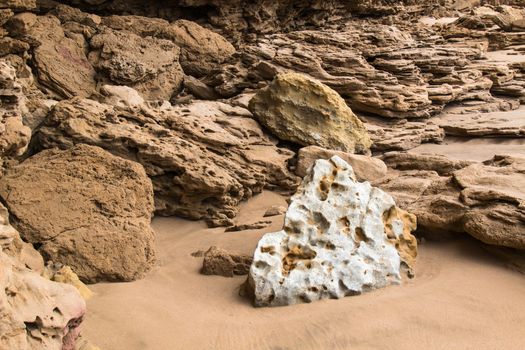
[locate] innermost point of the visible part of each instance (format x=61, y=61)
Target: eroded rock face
x=300, y=109
x=340, y=238
x=14, y=135
x=149, y=65
x=60, y=61
x=204, y=158
x=484, y=200
x=36, y=313
x=84, y=208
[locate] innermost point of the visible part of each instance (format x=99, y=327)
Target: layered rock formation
x=86, y=209
x=484, y=200
x=203, y=158
x=340, y=238
x=36, y=313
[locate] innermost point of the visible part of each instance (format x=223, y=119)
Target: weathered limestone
x=300, y=109
x=340, y=238
x=86, y=209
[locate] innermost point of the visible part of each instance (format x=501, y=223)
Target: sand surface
x=461, y=298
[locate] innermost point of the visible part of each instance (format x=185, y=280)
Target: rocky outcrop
x=484, y=200
x=59, y=58
x=36, y=313
x=14, y=135
x=365, y=168
x=302, y=110
x=204, y=158
x=340, y=238
x=222, y=263
x=86, y=209
x=148, y=65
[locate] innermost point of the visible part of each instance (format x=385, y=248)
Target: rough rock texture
x=149, y=65
x=222, y=263
x=300, y=109
x=365, y=168
x=35, y=313
x=60, y=61
x=202, y=50
x=14, y=136
x=203, y=158
x=340, y=238
x=86, y=209
x=64, y=274
x=484, y=200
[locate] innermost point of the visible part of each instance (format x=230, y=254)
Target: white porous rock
x=340, y=237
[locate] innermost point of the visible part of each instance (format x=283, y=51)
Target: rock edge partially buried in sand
x=340, y=238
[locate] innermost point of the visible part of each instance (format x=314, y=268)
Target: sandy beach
x=461, y=298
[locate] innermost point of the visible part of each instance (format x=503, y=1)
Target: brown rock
x=222, y=263
x=366, y=168
x=149, y=65
x=274, y=211
x=86, y=209
x=251, y=226
x=60, y=62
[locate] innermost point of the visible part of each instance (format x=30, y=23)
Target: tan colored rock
x=86, y=209
x=14, y=135
x=64, y=274
x=303, y=110
x=274, y=211
x=201, y=49
x=222, y=263
x=365, y=168
x=60, y=62
x=204, y=158
x=484, y=200
x=149, y=65
x=35, y=313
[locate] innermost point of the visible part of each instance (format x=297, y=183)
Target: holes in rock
x=360, y=236
x=321, y=222
x=294, y=256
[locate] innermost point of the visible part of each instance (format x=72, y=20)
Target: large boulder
x=340, y=237
x=84, y=208
x=300, y=109
x=35, y=313
x=204, y=158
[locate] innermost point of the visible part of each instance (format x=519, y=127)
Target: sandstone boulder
x=365, y=168
x=84, y=208
x=340, y=238
x=300, y=109
x=36, y=313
